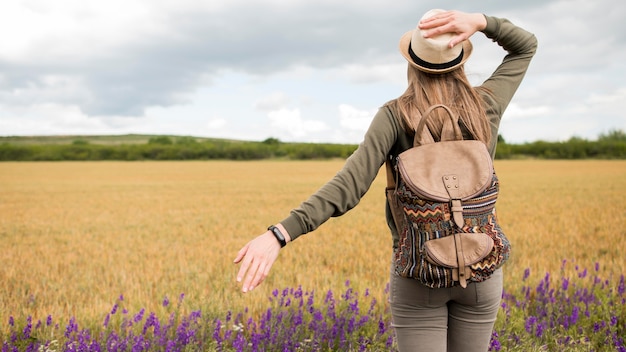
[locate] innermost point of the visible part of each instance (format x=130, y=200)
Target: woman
x=425, y=319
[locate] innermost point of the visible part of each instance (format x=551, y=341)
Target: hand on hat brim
x=462, y=25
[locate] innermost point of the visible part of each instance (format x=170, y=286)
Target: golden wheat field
x=77, y=235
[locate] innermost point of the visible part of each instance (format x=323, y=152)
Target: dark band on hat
x=432, y=66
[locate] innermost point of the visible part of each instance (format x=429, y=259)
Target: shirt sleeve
x=344, y=191
x=520, y=46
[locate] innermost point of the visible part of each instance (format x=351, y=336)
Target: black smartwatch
x=279, y=235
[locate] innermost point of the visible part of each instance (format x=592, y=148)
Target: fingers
x=433, y=27
x=247, y=270
x=245, y=265
x=440, y=22
x=254, y=271
x=241, y=254
x=457, y=39
x=255, y=280
x=461, y=25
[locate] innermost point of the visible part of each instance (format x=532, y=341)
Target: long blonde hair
x=452, y=89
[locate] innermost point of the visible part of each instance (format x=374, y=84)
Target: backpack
x=443, y=204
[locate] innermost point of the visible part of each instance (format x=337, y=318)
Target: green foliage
x=613, y=136
x=164, y=148
x=574, y=148
x=271, y=141
x=164, y=140
x=186, y=140
x=611, y=145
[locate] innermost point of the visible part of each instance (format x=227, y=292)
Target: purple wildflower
x=139, y=316
x=541, y=327
x=597, y=326
x=495, y=345
x=382, y=326
x=298, y=292
x=574, y=317
x=151, y=321
x=71, y=327
x=530, y=323
x=217, y=336
x=565, y=284
x=28, y=328
x=389, y=342
x=318, y=316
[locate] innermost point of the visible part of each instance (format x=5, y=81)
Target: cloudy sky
x=297, y=70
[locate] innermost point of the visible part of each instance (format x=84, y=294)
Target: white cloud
x=373, y=73
x=517, y=112
x=223, y=67
x=216, y=124
x=48, y=88
x=62, y=30
x=49, y=118
x=274, y=101
x=289, y=122
x=352, y=118
x=616, y=97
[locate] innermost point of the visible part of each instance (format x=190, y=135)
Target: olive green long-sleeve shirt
x=386, y=137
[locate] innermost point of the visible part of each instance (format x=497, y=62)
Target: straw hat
x=433, y=55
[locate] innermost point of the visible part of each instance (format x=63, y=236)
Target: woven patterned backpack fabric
x=443, y=203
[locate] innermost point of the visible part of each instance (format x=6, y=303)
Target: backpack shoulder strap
x=391, y=182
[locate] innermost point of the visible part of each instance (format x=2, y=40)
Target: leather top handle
x=449, y=132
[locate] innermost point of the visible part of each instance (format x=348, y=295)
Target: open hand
x=462, y=25
x=257, y=258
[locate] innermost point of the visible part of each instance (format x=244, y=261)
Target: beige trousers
x=444, y=319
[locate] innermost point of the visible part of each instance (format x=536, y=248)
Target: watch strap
x=279, y=235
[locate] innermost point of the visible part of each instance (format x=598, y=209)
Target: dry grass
x=76, y=236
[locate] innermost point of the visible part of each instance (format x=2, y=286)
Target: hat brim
x=405, y=42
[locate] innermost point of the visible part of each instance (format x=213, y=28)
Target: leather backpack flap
x=424, y=167
x=458, y=252
x=471, y=247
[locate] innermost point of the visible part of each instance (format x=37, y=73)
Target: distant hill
x=132, y=147
x=611, y=145
x=100, y=139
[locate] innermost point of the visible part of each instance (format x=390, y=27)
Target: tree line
x=172, y=148
x=611, y=145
